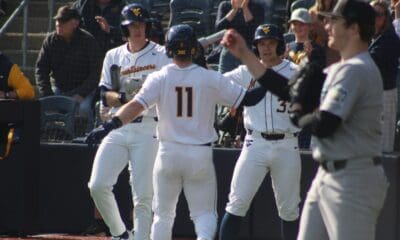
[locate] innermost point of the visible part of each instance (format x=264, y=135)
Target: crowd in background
x=70, y=60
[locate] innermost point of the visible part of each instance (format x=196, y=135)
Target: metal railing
x=51, y=11
x=22, y=6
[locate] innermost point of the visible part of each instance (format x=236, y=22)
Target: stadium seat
x=195, y=13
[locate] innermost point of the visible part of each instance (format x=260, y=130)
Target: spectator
x=318, y=33
x=72, y=57
x=101, y=18
x=303, y=46
x=300, y=49
x=301, y=4
x=395, y=8
x=13, y=83
x=385, y=50
x=242, y=15
x=157, y=31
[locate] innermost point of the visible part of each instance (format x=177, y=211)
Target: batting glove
x=97, y=134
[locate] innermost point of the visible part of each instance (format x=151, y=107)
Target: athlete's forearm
x=320, y=123
x=275, y=83
x=248, y=58
x=129, y=111
x=253, y=96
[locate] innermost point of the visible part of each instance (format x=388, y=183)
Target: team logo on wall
x=136, y=11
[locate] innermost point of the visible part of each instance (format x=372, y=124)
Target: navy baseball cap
x=356, y=11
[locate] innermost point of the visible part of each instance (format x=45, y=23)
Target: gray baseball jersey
x=352, y=91
x=348, y=192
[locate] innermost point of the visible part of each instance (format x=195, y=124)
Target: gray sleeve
x=341, y=91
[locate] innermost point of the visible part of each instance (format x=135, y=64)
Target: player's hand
x=236, y=4
x=97, y=134
x=245, y=4
x=235, y=43
x=397, y=9
x=103, y=23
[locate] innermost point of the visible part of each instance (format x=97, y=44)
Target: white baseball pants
x=258, y=157
x=134, y=143
x=191, y=168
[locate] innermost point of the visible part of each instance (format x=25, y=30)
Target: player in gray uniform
x=185, y=96
x=124, y=70
x=349, y=189
x=270, y=144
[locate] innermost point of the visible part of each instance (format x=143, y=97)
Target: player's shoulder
x=117, y=51
x=155, y=48
x=291, y=66
x=359, y=64
x=286, y=68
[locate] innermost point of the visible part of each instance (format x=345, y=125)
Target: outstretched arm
x=268, y=78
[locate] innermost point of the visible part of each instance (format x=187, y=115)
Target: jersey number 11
x=180, y=98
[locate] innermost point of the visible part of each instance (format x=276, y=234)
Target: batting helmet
x=270, y=31
x=181, y=41
x=132, y=13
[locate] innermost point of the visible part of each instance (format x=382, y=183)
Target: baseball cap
x=354, y=10
x=66, y=13
x=301, y=15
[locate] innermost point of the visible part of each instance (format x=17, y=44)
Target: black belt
x=140, y=119
x=271, y=136
x=206, y=144
x=333, y=166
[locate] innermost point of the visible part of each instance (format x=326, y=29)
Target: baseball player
x=348, y=191
x=124, y=70
x=270, y=143
x=185, y=96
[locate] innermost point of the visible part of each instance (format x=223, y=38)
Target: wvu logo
x=136, y=11
x=266, y=29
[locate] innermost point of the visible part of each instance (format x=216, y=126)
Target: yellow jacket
x=13, y=79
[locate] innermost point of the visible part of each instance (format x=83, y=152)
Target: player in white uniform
x=124, y=70
x=270, y=144
x=185, y=96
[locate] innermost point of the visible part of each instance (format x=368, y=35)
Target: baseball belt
x=140, y=119
x=273, y=136
x=333, y=166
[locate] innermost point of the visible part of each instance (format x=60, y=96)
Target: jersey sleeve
x=230, y=93
x=150, y=91
x=342, y=92
x=22, y=86
x=105, y=79
x=240, y=75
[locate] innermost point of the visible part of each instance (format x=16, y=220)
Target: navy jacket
x=385, y=50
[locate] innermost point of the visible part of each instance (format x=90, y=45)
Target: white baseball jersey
x=135, y=67
x=271, y=113
x=186, y=99
x=133, y=143
x=259, y=155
